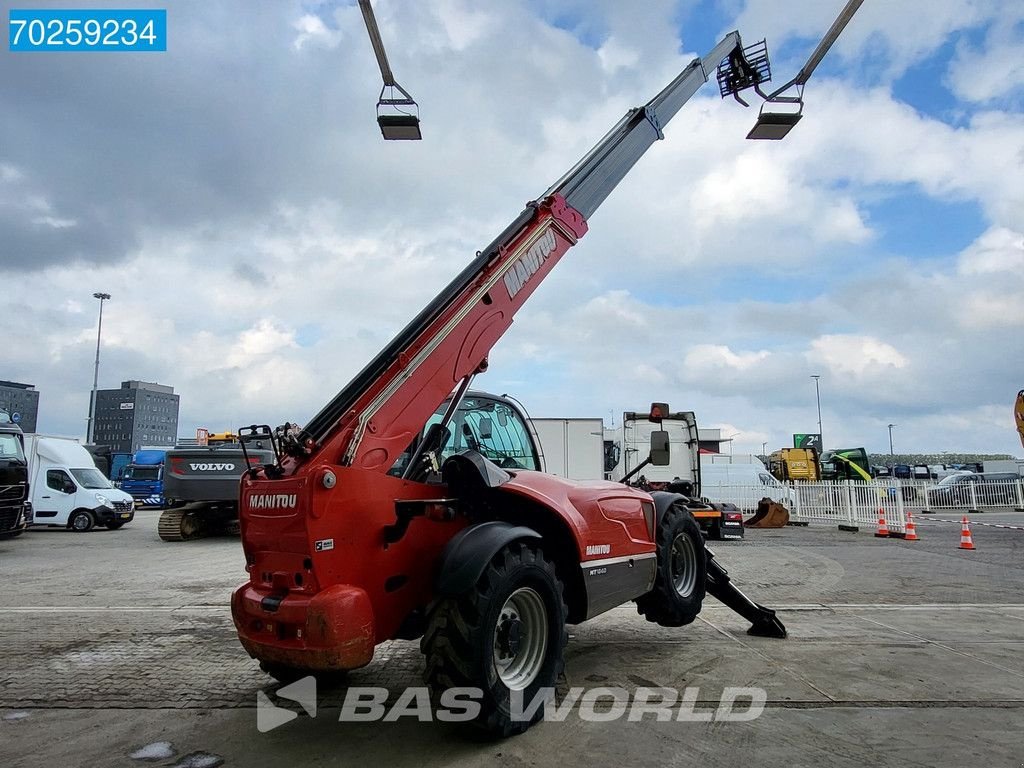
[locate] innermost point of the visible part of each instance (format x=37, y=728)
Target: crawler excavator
x=410, y=507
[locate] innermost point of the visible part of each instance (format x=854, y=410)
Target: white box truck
x=67, y=490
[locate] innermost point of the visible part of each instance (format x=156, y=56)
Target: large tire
x=81, y=520
x=506, y=634
x=680, y=583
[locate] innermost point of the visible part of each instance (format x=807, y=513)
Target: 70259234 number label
x=94, y=29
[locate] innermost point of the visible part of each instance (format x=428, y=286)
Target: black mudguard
x=471, y=549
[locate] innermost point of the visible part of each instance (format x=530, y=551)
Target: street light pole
x=817, y=396
x=892, y=456
x=90, y=430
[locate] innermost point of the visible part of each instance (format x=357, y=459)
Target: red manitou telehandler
x=410, y=507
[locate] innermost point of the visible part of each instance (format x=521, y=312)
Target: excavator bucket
x=1018, y=414
x=769, y=514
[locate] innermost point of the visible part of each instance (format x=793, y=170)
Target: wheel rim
x=80, y=523
x=521, y=638
x=684, y=565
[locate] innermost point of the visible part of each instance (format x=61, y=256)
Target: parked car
x=996, y=489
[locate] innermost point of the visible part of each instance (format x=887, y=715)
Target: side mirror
x=658, y=412
x=660, y=451
x=70, y=487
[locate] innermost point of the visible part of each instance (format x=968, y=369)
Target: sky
x=261, y=241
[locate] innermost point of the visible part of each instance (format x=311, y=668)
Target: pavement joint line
x=957, y=651
x=792, y=607
x=771, y=660
x=113, y=608
x=971, y=521
x=769, y=704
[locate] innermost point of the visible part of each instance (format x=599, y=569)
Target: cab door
x=56, y=502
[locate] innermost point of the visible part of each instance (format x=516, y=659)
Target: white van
x=742, y=484
x=68, y=490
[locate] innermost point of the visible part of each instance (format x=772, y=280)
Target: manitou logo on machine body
x=273, y=501
x=526, y=266
x=599, y=549
x=207, y=467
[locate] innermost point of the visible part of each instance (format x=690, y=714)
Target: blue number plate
x=94, y=29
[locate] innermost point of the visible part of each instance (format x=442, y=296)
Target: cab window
x=59, y=481
x=493, y=429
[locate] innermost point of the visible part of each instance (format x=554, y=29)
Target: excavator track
x=180, y=524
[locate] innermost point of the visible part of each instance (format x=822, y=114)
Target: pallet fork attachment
x=763, y=621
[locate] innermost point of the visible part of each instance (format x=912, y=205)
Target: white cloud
x=859, y=357
x=992, y=70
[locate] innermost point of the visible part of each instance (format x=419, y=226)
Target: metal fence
x=859, y=503
x=851, y=504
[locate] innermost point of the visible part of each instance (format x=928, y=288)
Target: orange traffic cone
x=966, y=542
x=883, y=529
x=911, y=528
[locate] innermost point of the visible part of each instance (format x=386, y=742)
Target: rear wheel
x=81, y=520
x=679, y=586
x=506, y=637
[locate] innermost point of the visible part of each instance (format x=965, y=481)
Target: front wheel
x=505, y=638
x=81, y=520
x=680, y=583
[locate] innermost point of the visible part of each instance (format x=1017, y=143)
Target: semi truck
x=143, y=478
x=69, y=491
x=111, y=463
x=15, y=508
x=390, y=513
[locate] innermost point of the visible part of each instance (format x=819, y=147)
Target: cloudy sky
x=261, y=241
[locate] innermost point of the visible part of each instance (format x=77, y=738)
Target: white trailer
x=572, y=448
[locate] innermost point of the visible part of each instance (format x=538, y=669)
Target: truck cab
x=68, y=490
x=15, y=510
x=143, y=479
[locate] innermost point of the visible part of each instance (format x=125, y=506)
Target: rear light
x=177, y=465
x=734, y=517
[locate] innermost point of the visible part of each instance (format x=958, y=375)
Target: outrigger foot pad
x=764, y=622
